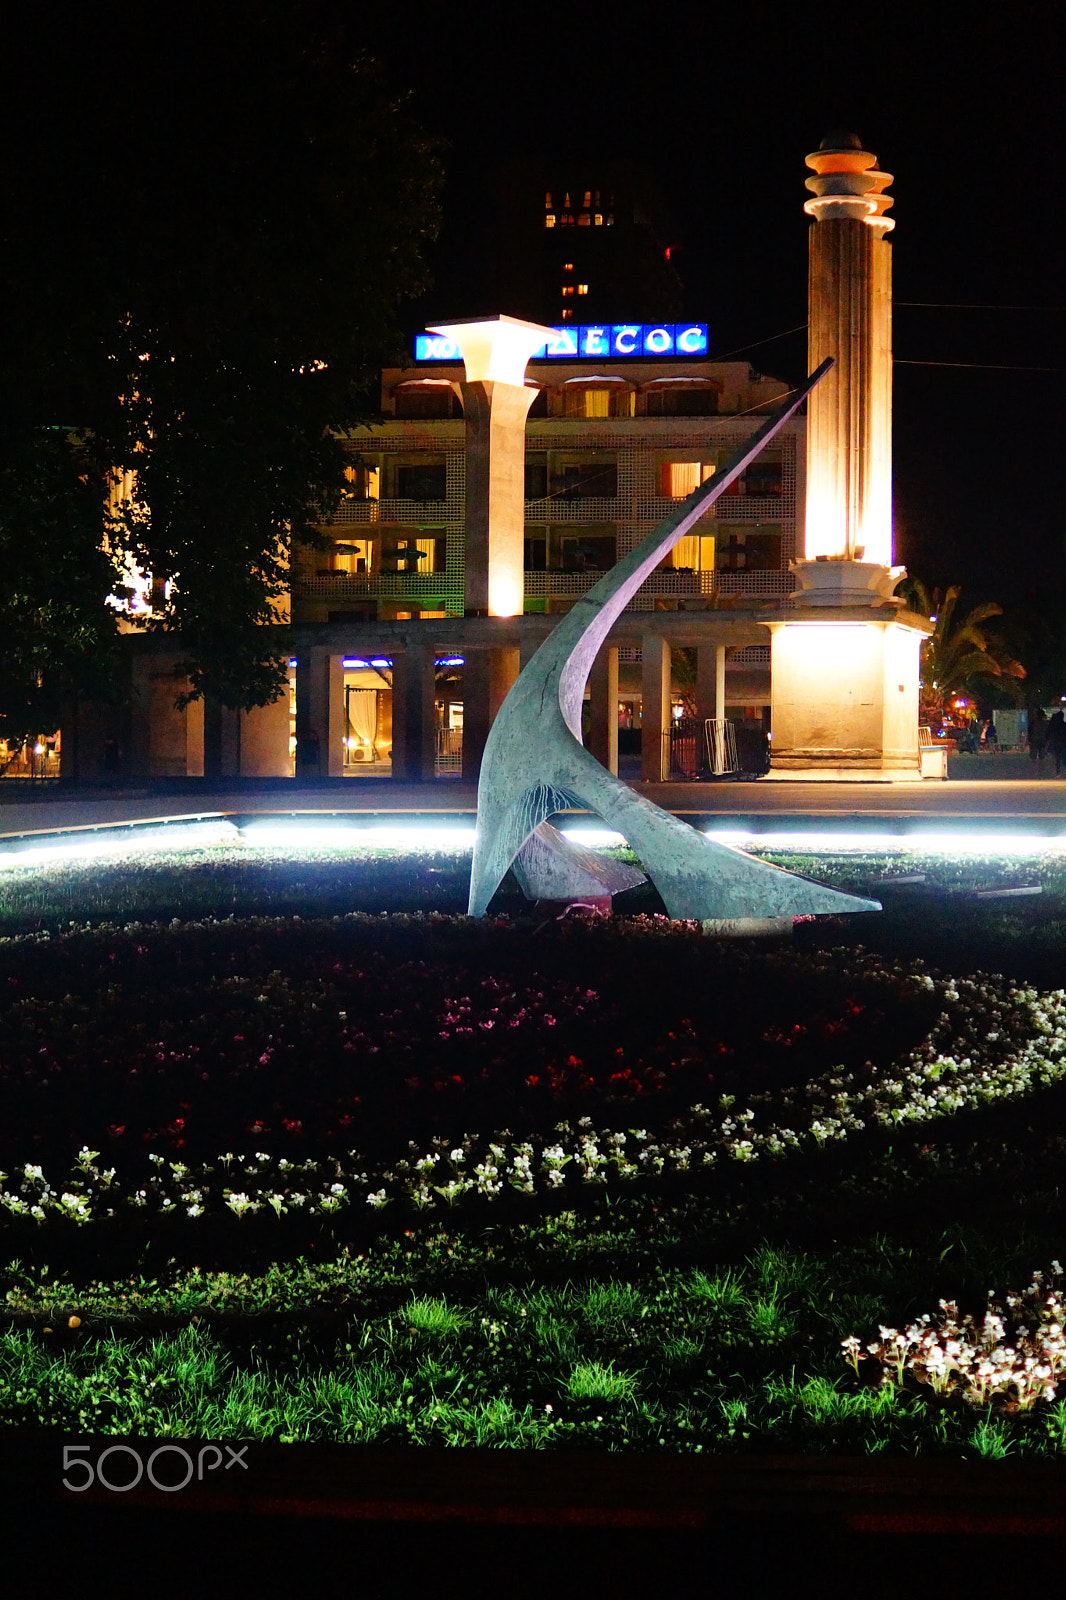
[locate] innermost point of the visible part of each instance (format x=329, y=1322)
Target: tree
x=213, y=218
x=57, y=635
x=961, y=655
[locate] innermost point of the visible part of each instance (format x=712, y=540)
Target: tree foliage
x=56, y=632
x=210, y=217
x=961, y=655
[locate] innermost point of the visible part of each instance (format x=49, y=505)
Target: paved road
x=1036, y=805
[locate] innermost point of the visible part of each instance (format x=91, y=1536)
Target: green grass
x=744, y=1356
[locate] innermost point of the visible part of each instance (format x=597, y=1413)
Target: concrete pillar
x=710, y=681
x=319, y=714
x=603, y=723
x=221, y=739
x=70, y=766
x=655, y=708
x=494, y=582
x=264, y=740
x=487, y=678
x=140, y=728
x=496, y=402
x=414, y=732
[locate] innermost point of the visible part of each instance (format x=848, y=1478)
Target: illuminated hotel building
x=610, y=445
x=561, y=462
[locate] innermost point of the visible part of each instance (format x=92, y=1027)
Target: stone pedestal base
x=845, y=695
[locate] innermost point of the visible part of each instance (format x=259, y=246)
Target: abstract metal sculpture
x=535, y=765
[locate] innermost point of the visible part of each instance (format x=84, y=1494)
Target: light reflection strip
x=305, y=834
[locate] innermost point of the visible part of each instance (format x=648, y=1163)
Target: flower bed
x=394, y=1131
x=376, y=1030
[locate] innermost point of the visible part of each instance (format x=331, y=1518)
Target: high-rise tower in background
x=585, y=241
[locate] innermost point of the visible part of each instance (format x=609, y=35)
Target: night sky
x=962, y=105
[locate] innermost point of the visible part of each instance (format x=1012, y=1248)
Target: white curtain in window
x=681, y=477
x=363, y=717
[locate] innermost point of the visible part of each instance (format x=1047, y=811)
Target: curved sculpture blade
x=535, y=764
x=550, y=867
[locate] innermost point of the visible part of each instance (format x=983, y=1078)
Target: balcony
x=423, y=513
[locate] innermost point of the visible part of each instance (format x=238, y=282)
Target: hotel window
x=567, y=288
x=353, y=557
x=587, y=202
x=584, y=477
x=566, y=314
x=763, y=478
x=547, y=200
x=584, y=219
x=677, y=479
x=549, y=220
x=535, y=550
x=536, y=477
x=582, y=288
x=364, y=481
x=681, y=399
x=585, y=552
x=597, y=220
x=422, y=480
x=695, y=552
x=430, y=401
x=408, y=554
x=598, y=400
x=749, y=549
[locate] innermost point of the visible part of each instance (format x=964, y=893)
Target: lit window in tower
x=567, y=288
x=548, y=200
x=549, y=219
x=568, y=266
x=598, y=220
x=582, y=288
x=584, y=219
x=587, y=202
x=566, y=314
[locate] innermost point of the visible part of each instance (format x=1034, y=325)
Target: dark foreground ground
x=392, y=1522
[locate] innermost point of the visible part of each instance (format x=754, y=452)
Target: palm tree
x=960, y=655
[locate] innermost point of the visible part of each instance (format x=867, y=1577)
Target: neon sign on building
x=595, y=340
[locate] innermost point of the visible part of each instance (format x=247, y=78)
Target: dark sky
x=961, y=104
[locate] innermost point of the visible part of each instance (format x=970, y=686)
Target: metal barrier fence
x=449, y=751
x=721, y=743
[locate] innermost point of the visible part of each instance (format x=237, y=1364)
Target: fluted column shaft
x=849, y=415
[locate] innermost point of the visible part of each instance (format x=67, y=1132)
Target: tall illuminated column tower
x=844, y=657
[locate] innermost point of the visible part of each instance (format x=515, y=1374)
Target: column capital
x=496, y=349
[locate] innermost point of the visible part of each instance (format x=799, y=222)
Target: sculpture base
x=748, y=927
x=826, y=768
